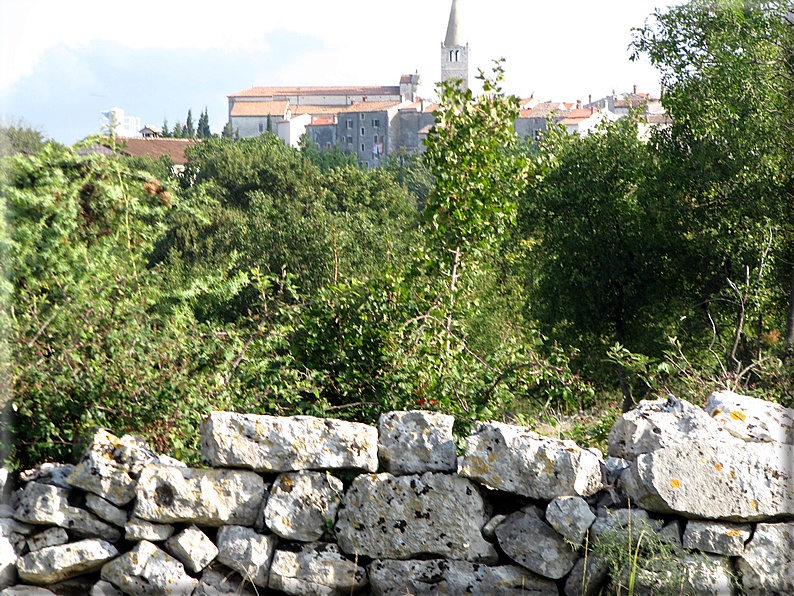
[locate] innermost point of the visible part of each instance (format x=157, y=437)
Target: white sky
x=558, y=50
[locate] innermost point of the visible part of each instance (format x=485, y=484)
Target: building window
x=349, y=124
x=362, y=147
x=363, y=132
x=261, y=127
x=349, y=140
x=328, y=146
x=376, y=123
x=361, y=116
x=375, y=139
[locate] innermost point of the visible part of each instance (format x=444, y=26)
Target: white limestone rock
x=399, y=517
x=570, y=517
x=246, y=551
x=416, y=442
x=751, y=419
x=146, y=570
x=49, y=537
x=655, y=424
x=139, y=529
x=8, y=562
x=517, y=460
x=302, y=505
x=717, y=537
x=111, y=465
x=26, y=591
x=47, y=504
x=218, y=580
x=103, y=588
x=439, y=576
x=167, y=494
x=622, y=521
x=49, y=473
x=282, y=444
x=55, y=563
x=720, y=481
x=105, y=510
x=767, y=564
x=691, y=573
x=317, y=569
x=533, y=544
x=193, y=548
x=489, y=529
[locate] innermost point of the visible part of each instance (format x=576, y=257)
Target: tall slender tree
x=190, y=129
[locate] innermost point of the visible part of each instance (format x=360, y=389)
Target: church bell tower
x=454, y=53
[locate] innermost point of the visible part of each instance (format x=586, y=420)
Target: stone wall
x=314, y=506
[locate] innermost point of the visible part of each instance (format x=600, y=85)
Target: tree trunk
x=789, y=340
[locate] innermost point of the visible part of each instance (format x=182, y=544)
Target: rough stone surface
x=489, y=529
x=193, y=548
x=621, y=521
x=8, y=562
x=168, y=494
x=767, y=564
x=47, y=473
x=533, y=544
x=279, y=444
x=751, y=419
x=27, y=591
x=700, y=478
x=140, y=529
x=110, y=466
x=5, y=485
x=698, y=574
x=245, y=551
x=416, y=442
x=587, y=577
x=716, y=537
x=302, y=505
x=570, y=517
x=147, y=570
x=661, y=423
x=218, y=580
x=103, y=588
x=49, y=537
x=56, y=563
x=439, y=576
x=398, y=517
x=515, y=459
x=47, y=504
x=107, y=511
x=317, y=569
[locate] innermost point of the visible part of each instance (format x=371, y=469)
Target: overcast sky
x=61, y=63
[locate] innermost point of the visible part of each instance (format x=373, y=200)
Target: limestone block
x=416, y=442
x=302, y=505
x=751, y=419
x=26, y=591
x=8, y=562
x=111, y=465
x=218, y=580
x=689, y=573
x=588, y=576
x=317, y=569
x=439, y=576
x=671, y=533
x=399, y=517
x=147, y=570
x=767, y=564
x=570, y=517
x=533, y=544
x=48, y=473
x=621, y=522
x=193, y=548
x=49, y=537
x=140, y=529
x=168, y=494
x=14, y=533
x=56, y=563
x=47, y=504
x=489, y=529
x=717, y=537
x=735, y=481
x=102, y=508
x=655, y=424
x=103, y=588
x=517, y=460
x=246, y=551
x=281, y=444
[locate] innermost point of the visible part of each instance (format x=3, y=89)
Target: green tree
x=166, y=131
x=17, y=137
x=269, y=127
x=189, y=130
x=228, y=131
x=203, y=129
x=326, y=160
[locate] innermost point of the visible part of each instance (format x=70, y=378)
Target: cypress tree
x=190, y=130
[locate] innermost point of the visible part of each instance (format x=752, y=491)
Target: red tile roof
x=140, y=146
x=282, y=91
x=259, y=108
x=315, y=110
x=322, y=120
x=370, y=106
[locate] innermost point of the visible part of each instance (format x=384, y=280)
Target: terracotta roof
x=370, y=106
x=260, y=108
x=315, y=110
x=545, y=109
x=281, y=91
x=576, y=116
x=322, y=120
x=154, y=146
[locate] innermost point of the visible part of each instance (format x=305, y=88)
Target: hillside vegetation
x=490, y=278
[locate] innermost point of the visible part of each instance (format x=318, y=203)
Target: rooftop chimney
x=635, y=89
x=578, y=104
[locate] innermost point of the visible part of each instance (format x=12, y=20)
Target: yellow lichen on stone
x=675, y=483
x=732, y=532
x=754, y=504
x=716, y=412
x=738, y=415
x=718, y=466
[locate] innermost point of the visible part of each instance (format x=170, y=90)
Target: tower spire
x=454, y=51
x=453, y=28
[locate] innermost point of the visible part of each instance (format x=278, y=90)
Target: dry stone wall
x=307, y=506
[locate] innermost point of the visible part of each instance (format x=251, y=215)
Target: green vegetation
x=488, y=278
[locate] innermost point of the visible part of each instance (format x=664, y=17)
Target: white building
x=114, y=121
